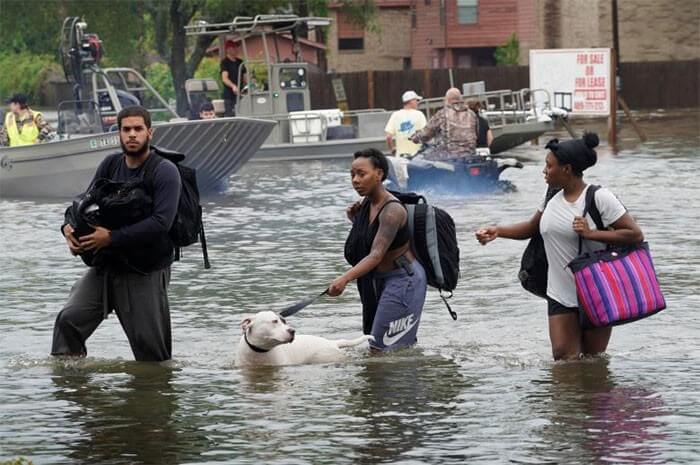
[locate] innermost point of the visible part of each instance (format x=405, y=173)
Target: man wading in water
x=134, y=274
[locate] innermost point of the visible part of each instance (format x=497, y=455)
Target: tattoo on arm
x=390, y=221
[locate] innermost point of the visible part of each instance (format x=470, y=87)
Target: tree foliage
x=508, y=54
x=139, y=33
x=120, y=25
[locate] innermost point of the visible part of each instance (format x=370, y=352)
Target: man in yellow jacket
x=22, y=125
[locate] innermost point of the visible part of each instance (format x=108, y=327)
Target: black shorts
x=555, y=308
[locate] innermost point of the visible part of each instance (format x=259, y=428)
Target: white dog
x=268, y=340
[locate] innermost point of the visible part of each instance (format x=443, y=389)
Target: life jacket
x=29, y=133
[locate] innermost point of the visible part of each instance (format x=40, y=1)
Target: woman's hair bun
x=590, y=139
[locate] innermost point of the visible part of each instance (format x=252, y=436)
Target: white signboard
x=577, y=79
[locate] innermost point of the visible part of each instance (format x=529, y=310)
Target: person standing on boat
x=392, y=283
x=456, y=125
x=484, y=134
x=560, y=223
x=230, y=68
x=403, y=124
x=22, y=125
x=133, y=274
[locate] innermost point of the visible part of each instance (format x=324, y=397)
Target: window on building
x=351, y=36
x=467, y=11
x=351, y=44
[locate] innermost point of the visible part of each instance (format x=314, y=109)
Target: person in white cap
x=403, y=124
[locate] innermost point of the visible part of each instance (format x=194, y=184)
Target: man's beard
x=142, y=150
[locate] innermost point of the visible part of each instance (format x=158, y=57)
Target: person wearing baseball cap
x=403, y=123
x=230, y=68
x=22, y=125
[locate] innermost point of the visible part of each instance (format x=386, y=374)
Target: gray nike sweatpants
x=140, y=302
x=401, y=299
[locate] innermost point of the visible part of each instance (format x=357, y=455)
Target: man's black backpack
x=533, y=265
x=187, y=227
x=434, y=241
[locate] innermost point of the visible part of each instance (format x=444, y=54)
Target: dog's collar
x=252, y=347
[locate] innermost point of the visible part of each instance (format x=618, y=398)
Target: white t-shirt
x=561, y=241
x=402, y=124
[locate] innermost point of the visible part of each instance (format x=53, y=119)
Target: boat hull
x=325, y=150
x=505, y=138
x=215, y=148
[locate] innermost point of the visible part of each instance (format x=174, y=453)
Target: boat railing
x=110, y=79
x=500, y=107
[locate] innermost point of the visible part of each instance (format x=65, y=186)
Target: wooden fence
x=645, y=85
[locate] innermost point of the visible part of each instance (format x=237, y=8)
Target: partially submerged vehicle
x=301, y=132
x=479, y=174
x=87, y=132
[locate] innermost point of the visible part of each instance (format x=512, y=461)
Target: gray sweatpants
x=140, y=302
x=401, y=299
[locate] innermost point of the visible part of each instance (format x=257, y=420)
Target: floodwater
x=482, y=389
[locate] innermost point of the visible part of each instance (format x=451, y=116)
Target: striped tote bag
x=616, y=285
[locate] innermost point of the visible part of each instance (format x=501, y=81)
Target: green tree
x=35, y=27
x=508, y=54
x=169, y=19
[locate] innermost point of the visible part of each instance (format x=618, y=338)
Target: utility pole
x=615, y=78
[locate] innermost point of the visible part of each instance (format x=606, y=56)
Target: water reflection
x=124, y=412
x=405, y=400
x=593, y=418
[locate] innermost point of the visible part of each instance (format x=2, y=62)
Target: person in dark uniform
x=484, y=134
x=134, y=274
x=229, y=68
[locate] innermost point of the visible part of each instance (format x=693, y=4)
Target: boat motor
x=80, y=51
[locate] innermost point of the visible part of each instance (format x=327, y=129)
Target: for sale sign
x=577, y=80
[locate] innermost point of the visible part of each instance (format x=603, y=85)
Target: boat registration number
x=100, y=142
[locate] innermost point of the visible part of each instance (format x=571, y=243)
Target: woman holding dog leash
x=561, y=224
x=392, y=283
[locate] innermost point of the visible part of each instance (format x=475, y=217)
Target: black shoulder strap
x=551, y=192
x=149, y=169
x=592, y=209
x=385, y=204
x=113, y=165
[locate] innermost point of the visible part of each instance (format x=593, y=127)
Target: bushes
x=158, y=74
x=508, y=54
x=27, y=73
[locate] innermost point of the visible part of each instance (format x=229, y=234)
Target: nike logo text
x=397, y=329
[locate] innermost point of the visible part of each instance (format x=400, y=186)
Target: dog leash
x=292, y=309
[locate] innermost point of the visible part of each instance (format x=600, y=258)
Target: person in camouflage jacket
x=454, y=126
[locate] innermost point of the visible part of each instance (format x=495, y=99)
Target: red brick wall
x=496, y=20
x=428, y=36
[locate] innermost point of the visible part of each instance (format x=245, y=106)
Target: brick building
x=465, y=33
x=648, y=30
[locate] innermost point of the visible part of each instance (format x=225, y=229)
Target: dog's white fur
x=269, y=331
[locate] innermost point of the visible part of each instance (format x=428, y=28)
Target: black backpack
x=187, y=227
x=434, y=241
x=533, y=265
